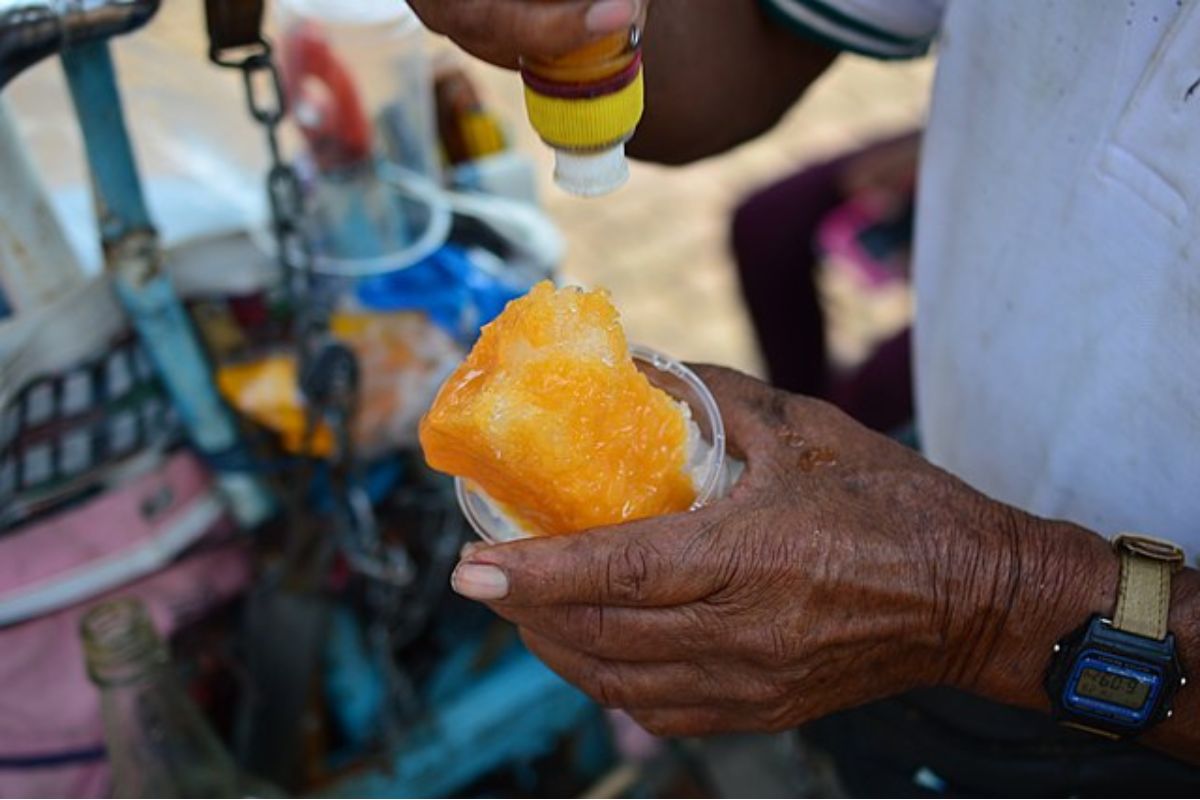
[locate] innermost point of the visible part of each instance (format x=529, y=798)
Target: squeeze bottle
x=586, y=105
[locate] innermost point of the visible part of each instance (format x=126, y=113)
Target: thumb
x=651, y=563
x=751, y=411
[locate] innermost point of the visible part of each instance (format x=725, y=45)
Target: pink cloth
x=119, y=536
x=125, y=541
x=48, y=707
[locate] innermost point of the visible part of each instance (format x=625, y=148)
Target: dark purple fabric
x=772, y=239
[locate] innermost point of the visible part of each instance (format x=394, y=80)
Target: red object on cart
x=325, y=102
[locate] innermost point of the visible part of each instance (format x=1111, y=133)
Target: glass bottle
x=159, y=744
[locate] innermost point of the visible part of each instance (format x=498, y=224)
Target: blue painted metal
x=381, y=478
x=93, y=84
x=594, y=751
x=513, y=712
x=132, y=256
x=353, y=683
x=167, y=334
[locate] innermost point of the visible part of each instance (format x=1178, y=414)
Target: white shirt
x=1057, y=261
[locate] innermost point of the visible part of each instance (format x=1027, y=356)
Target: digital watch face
x=1112, y=688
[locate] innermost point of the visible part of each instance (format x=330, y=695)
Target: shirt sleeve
x=887, y=29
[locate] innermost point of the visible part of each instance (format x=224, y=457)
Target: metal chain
x=267, y=103
x=236, y=43
x=266, y=100
x=325, y=388
x=329, y=373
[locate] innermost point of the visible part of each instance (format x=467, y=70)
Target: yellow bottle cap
x=588, y=124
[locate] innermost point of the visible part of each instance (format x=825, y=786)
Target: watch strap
x=1144, y=593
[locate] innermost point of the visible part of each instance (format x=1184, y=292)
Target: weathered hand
x=501, y=31
x=842, y=568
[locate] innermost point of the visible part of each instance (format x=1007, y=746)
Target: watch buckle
x=1150, y=547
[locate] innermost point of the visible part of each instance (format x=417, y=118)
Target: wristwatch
x=1117, y=677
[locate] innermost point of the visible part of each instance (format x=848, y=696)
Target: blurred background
x=661, y=245
x=268, y=511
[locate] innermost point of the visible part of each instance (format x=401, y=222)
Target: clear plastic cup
x=360, y=87
x=714, y=472
x=381, y=47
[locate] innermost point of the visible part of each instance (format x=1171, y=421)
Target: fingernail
x=480, y=582
x=610, y=16
x=468, y=549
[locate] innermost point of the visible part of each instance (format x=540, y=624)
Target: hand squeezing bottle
x=586, y=105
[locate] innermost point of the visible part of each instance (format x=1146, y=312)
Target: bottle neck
x=120, y=645
x=592, y=64
x=159, y=744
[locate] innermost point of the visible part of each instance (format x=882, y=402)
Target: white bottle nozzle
x=591, y=174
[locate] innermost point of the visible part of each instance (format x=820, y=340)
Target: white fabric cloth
x=1057, y=262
